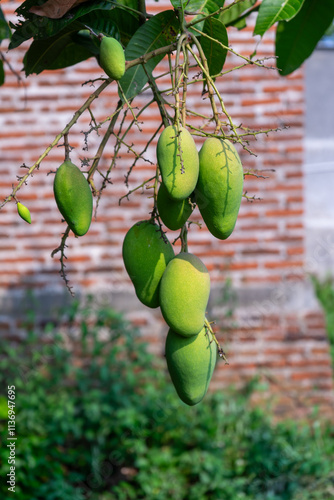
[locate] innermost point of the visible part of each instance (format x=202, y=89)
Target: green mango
x=220, y=186
x=184, y=294
x=191, y=362
x=23, y=212
x=112, y=57
x=73, y=197
x=173, y=213
x=146, y=255
x=178, y=162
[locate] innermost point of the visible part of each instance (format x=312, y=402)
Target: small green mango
x=191, y=362
x=178, y=162
x=146, y=254
x=112, y=57
x=73, y=197
x=23, y=212
x=173, y=213
x=220, y=186
x=184, y=294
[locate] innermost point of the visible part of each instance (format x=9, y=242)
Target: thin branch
x=61, y=249
x=136, y=189
x=221, y=352
x=104, y=141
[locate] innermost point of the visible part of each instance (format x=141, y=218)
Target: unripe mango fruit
x=146, y=254
x=184, y=294
x=178, y=162
x=23, y=212
x=220, y=186
x=112, y=57
x=173, y=213
x=191, y=362
x=73, y=197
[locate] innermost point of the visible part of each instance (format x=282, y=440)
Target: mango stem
x=220, y=349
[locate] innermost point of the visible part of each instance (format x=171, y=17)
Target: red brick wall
x=277, y=327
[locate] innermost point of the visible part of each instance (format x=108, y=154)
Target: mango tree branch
x=129, y=64
x=61, y=249
x=136, y=189
x=104, y=141
x=256, y=62
x=206, y=75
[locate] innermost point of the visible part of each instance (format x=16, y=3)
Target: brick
x=283, y=213
x=296, y=251
x=283, y=264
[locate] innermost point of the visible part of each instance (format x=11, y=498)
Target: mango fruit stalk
x=220, y=186
x=173, y=213
x=112, y=57
x=178, y=162
x=146, y=254
x=23, y=212
x=184, y=294
x=73, y=197
x=191, y=362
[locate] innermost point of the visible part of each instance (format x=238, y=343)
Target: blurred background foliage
x=324, y=290
x=97, y=418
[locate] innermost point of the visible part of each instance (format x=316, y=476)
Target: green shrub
x=110, y=427
x=324, y=289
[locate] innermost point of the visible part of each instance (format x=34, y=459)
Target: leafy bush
x=97, y=418
x=324, y=290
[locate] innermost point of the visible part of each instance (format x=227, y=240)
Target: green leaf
x=85, y=40
x=198, y=5
x=125, y=22
x=56, y=52
x=205, y=7
x=2, y=73
x=231, y=16
x=214, y=52
x=296, y=39
x=208, y=6
x=177, y=4
x=272, y=11
x=4, y=28
x=158, y=31
x=101, y=23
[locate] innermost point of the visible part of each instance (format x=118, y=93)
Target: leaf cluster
x=324, y=289
x=57, y=43
x=96, y=418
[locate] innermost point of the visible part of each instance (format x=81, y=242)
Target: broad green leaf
x=4, y=28
x=296, y=39
x=4, y=33
x=126, y=23
x=272, y=11
x=41, y=27
x=177, y=4
x=205, y=7
x=231, y=17
x=131, y=4
x=84, y=39
x=71, y=54
x=158, y=31
x=54, y=52
x=2, y=73
x=101, y=23
x=214, y=52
